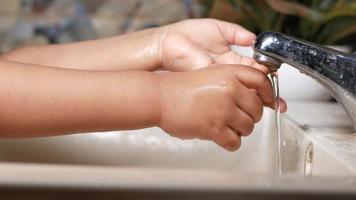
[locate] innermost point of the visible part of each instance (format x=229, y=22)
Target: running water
x=275, y=85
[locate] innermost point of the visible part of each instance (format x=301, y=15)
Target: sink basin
x=149, y=162
x=155, y=149
x=146, y=148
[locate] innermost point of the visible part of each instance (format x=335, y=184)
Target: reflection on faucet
x=333, y=69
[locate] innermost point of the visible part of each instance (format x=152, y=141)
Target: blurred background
x=36, y=22
x=330, y=22
x=27, y=22
x=327, y=22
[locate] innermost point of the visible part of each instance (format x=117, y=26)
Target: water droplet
x=284, y=143
x=312, y=52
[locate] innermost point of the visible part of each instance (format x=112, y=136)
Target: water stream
x=275, y=85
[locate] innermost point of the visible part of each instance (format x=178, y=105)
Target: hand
x=186, y=45
x=219, y=103
x=198, y=43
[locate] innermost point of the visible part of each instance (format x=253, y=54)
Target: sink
x=311, y=151
x=315, y=161
x=154, y=148
x=149, y=147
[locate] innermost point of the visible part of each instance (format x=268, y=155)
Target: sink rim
x=100, y=177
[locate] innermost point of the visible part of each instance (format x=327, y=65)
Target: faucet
x=335, y=70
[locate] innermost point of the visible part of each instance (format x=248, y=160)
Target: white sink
x=146, y=148
x=150, y=160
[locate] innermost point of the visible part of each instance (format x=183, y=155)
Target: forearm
x=43, y=101
x=136, y=51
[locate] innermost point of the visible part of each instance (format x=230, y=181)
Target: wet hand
x=197, y=43
x=220, y=103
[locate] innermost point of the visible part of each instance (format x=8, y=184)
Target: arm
x=186, y=45
x=214, y=103
x=136, y=51
x=43, y=101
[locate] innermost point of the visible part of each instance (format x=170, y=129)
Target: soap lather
x=335, y=70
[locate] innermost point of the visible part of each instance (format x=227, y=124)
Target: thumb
x=236, y=34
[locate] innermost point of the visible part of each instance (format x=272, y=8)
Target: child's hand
x=220, y=103
x=186, y=45
x=197, y=43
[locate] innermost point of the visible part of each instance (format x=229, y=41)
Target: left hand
x=197, y=43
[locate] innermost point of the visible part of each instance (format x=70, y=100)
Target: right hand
x=183, y=47
x=220, y=103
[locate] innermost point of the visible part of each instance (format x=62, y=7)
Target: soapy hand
x=194, y=44
x=220, y=103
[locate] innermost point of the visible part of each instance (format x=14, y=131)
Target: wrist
x=155, y=47
x=135, y=100
x=155, y=99
x=141, y=50
x=160, y=37
x=164, y=81
x=148, y=98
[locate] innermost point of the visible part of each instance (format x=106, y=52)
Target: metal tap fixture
x=335, y=70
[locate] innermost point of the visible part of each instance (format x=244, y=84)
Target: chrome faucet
x=335, y=70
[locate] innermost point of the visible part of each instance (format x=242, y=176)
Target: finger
x=255, y=79
x=227, y=139
x=249, y=102
x=234, y=58
x=252, y=62
x=236, y=34
x=251, y=105
x=229, y=57
x=241, y=122
x=282, y=105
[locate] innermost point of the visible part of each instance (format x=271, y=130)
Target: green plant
x=321, y=21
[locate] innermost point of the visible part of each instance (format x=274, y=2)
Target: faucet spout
x=335, y=70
